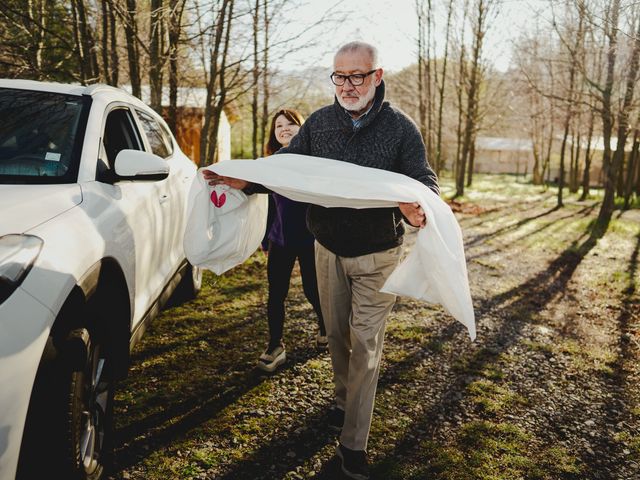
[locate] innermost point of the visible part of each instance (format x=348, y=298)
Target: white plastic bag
x=224, y=226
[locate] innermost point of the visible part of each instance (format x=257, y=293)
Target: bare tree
x=129, y=16
x=438, y=160
x=482, y=9
x=85, y=44
x=588, y=156
x=265, y=73
x=633, y=169
x=216, y=84
x=573, y=49
x=176, y=11
x=156, y=57
x=614, y=168
x=256, y=77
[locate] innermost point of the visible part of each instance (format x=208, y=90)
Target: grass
x=550, y=389
x=493, y=398
x=486, y=450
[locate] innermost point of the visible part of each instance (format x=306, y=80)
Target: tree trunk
x=217, y=63
x=612, y=168
x=471, y=118
x=79, y=47
x=562, y=165
x=176, y=9
x=586, y=174
x=115, y=60
x=222, y=95
x=105, y=42
x=155, y=61
x=256, y=79
x=422, y=107
x=265, y=77
x=88, y=44
x=546, y=166
x=575, y=165
x=36, y=17
x=458, y=165
x=131, y=31
x=439, y=164
x=632, y=170
x=428, y=81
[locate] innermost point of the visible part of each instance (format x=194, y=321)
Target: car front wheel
x=90, y=415
x=69, y=429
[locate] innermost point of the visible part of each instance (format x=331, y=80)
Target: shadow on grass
x=508, y=228
x=181, y=415
x=489, y=214
x=306, y=442
x=520, y=306
x=584, y=212
x=195, y=368
x=617, y=412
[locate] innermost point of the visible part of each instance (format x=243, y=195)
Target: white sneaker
x=272, y=358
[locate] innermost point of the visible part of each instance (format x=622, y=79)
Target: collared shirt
x=358, y=121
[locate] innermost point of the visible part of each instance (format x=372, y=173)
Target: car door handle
x=164, y=198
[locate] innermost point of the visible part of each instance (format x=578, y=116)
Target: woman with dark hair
x=288, y=240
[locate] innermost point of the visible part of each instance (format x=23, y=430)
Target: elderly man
x=357, y=249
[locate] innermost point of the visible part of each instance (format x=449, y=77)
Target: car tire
x=189, y=286
x=90, y=416
x=69, y=430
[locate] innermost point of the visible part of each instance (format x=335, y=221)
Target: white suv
x=93, y=191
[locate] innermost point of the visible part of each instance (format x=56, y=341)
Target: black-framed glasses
x=355, y=79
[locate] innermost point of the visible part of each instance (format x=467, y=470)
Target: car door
x=142, y=208
x=175, y=189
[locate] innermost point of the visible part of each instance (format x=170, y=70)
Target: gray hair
x=350, y=47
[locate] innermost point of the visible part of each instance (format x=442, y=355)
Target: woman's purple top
x=289, y=226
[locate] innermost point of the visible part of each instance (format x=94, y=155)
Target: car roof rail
x=95, y=87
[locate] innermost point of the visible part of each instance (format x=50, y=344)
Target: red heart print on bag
x=218, y=201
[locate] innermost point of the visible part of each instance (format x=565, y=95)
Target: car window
x=120, y=133
x=40, y=136
x=167, y=136
x=160, y=143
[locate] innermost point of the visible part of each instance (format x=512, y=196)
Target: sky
x=391, y=25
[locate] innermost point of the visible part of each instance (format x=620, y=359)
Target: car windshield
x=40, y=136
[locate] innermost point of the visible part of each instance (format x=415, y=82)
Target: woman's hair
x=273, y=145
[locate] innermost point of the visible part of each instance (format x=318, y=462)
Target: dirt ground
x=549, y=390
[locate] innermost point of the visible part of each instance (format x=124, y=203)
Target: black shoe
x=355, y=463
x=322, y=343
x=336, y=419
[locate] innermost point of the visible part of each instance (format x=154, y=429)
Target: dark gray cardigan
x=387, y=139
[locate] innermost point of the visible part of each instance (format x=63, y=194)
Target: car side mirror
x=138, y=165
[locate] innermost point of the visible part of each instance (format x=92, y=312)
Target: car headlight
x=17, y=255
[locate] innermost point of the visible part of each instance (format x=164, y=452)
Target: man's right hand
x=214, y=179
x=413, y=213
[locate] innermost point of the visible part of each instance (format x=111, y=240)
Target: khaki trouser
x=355, y=314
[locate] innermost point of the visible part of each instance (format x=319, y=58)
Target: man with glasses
x=357, y=249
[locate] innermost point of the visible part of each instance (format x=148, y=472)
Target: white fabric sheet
x=434, y=271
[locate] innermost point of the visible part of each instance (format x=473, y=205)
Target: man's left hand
x=414, y=213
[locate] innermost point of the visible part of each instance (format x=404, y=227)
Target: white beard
x=362, y=101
